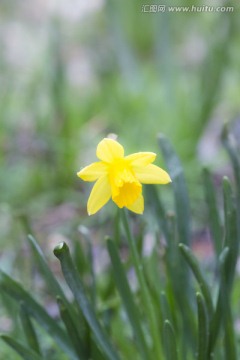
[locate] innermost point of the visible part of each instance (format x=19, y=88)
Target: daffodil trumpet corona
x=120, y=177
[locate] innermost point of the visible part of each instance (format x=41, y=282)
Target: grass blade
x=231, y=233
x=89, y=259
x=169, y=341
x=146, y=298
x=24, y=352
x=229, y=338
x=50, y=279
x=229, y=143
x=127, y=298
x=53, y=285
x=213, y=214
x=183, y=235
x=180, y=189
x=159, y=211
x=14, y=289
x=28, y=329
x=203, y=328
x=71, y=329
x=166, y=314
x=192, y=262
x=75, y=284
x=216, y=323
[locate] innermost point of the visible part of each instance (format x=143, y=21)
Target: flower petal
x=152, y=174
x=138, y=205
x=100, y=194
x=141, y=158
x=93, y=172
x=108, y=150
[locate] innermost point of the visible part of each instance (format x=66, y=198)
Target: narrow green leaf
x=231, y=233
x=24, y=219
x=203, y=328
x=213, y=213
x=53, y=285
x=227, y=319
x=192, y=262
x=14, y=289
x=230, y=145
x=229, y=338
x=75, y=284
x=180, y=189
x=127, y=298
x=41, y=260
x=145, y=293
x=216, y=323
x=71, y=329
x=24, y=352
x=170, y=345
x=155, y=204
x=86, y=234
x=183, y=234
x=29, y=330
x=177, y=278
x=166, y=313
x=228, y=268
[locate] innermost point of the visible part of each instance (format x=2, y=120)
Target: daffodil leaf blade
x=181, y=197
x=127, y=298
x=35, y=310
x=231, y=232
x=155, y=203
x=71, y=329
x=29, y=330
x=170, y=344
x=52, y=283
x=75, y=284
x=25, y=352
x=224, y=312
x=203, y=327
x=213, y=213
x=230, y=144
x=165, y=309
x=192, y=262
x=216, y=323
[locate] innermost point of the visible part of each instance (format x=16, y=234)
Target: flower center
x=125, y=187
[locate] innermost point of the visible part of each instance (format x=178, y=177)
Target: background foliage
x=70, y=74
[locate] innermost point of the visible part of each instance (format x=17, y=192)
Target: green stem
x=146, y=298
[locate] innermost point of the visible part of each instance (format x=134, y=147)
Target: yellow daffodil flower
x=120, y=177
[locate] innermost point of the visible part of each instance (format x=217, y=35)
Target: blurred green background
x=71, y=72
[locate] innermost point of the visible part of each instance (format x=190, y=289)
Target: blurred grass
x=71, y=74
x=149, y=75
